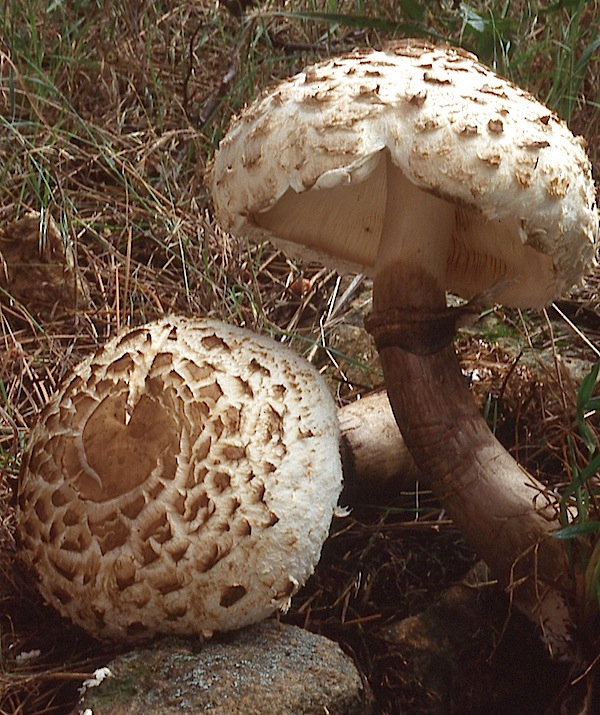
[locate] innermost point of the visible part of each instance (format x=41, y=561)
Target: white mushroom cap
x=303, y=164
x=182, y=480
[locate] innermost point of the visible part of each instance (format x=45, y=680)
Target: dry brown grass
x=109, y=113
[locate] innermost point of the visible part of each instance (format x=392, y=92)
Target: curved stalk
x=499, y=507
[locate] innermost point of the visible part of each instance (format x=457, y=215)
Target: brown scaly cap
x=303, y=165
x=182, y=480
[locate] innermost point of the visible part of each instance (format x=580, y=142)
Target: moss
x=494, y=329
x=126, y=682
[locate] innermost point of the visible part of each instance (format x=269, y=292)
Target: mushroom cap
x=303, y=165
x=181, y=480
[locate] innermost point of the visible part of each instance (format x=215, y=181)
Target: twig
x=212, y=104
x=576, y=330
x=13, y=425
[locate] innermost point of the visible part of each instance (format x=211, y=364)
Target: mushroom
x=423, y=168
x=375, y=461
x=181, y=480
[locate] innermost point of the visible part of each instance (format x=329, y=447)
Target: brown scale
x=231, y=595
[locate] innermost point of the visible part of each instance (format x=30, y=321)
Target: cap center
x=123, y=452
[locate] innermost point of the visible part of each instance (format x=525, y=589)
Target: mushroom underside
x=487, y=256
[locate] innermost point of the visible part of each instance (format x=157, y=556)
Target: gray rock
x=268, y=669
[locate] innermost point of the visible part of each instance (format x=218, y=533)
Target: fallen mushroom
x=182, y=480
x=375, y=461
x=422, y=167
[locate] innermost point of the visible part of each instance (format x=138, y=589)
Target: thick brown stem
x=500, y=508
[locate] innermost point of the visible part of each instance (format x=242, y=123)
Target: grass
x=109, y=115
x=582, y=529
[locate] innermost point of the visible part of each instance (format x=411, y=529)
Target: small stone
x=267, y=669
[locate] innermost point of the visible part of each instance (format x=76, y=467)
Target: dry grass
x=109, y=113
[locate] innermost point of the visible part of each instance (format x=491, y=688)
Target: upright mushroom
x=421, y=166
x=182, y=480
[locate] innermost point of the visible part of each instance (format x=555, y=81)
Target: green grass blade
x=360, y=21
x=572, y=531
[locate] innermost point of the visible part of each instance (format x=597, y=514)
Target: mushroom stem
x=416, y=231
x=500, y=509
x=411, y=267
